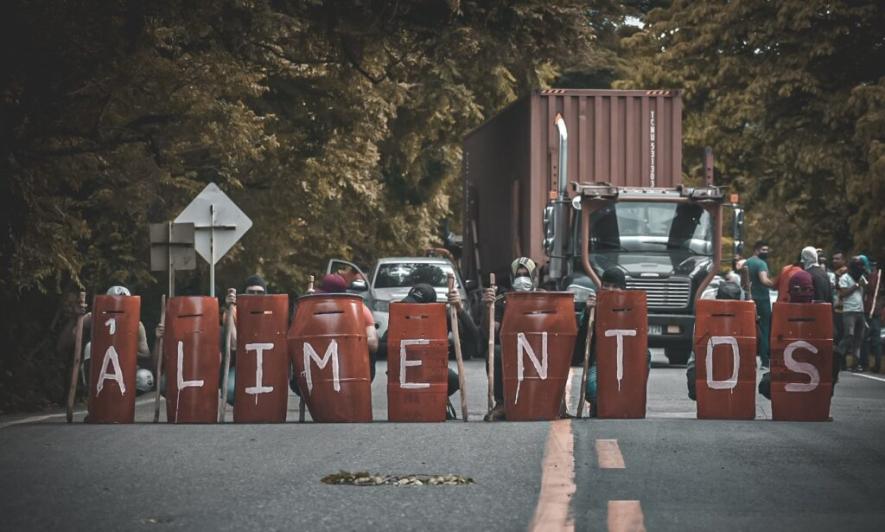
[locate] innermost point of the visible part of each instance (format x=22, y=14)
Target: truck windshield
x=408, y=274
x=651, y=226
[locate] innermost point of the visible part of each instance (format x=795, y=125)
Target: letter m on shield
x=311, y=354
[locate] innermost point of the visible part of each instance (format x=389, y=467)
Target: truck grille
x=663, y=293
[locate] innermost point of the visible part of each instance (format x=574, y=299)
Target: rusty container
x=330, y=355
x=114, y=359
x=538, y=334
x=621, y=393
x=417, y=362
x=262, y=370
x=801, y=361
x=629, y=138
x=725, y=358
x=192, y=362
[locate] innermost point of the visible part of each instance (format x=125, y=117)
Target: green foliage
x=790, y=94
x=335, y=125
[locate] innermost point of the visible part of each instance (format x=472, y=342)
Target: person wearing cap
x=469, y=334
x=144, y=377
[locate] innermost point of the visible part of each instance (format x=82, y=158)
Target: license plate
x=654, y=329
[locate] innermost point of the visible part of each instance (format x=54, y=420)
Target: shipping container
x=622, y=137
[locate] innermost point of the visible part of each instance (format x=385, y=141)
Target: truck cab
x=666, y=242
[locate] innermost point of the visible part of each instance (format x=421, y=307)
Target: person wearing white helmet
x=144, y=376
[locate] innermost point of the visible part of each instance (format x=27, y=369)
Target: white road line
x=608, y=455
x=864, y=375
x=37, y=419
x=625, y=516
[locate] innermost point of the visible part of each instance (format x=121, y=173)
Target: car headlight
x=382, y=306
x=581, y=292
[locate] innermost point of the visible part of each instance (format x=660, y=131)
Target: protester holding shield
x=469, y=334
x=523, y=271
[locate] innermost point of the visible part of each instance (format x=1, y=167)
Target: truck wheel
x=677, y=355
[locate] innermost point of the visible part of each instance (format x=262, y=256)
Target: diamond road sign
x=218, y=222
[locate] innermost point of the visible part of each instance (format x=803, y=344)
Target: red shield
x=801, y=361
x=725, y=358
x=537, y=339
x=262, y=382
x=114, y=354
x=330, y=354
x=192, y=360
x=417, y=362
x=621, y=353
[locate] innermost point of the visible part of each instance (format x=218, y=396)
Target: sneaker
x=495, y=414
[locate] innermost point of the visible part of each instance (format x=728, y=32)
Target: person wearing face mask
x=760, y=283
x=522, y=279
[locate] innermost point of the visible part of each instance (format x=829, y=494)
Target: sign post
x=172, y=248
x=219, y=224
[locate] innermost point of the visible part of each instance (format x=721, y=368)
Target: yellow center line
x=608, y=455
x=553, y=512
x=625, y=516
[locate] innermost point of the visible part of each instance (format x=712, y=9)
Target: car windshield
x=408, y=274
x=647, y=226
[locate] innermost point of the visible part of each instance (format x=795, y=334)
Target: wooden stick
x=584, y=376
x=228, y=327
x=78, y=352
x=491, y=356
x=310, y=290
x=456, y=336
x=158, y=354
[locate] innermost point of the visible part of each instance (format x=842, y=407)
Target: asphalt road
x=677, y=473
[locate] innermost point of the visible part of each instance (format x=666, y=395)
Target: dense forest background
x=336, y=125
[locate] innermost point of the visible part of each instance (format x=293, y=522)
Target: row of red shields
x=327, y=349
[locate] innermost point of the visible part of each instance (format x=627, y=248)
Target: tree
x=335, y=125
x=790, y=95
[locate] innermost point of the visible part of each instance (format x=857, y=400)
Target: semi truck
x=586, y=180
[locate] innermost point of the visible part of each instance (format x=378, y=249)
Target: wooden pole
x=158, y=355
x=491, y=355
x=456, y=336
x=228, y=327
x=78, y=352
x=310, y=290
x=588, y=341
